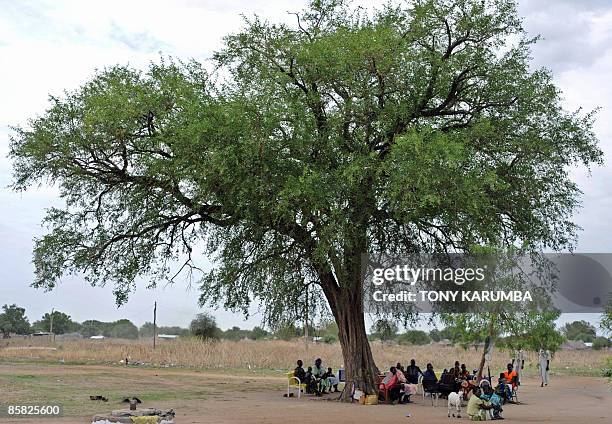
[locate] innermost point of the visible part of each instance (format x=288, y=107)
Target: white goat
x=454, y=399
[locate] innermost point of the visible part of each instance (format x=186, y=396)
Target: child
x=311, y=382
x=477, y=407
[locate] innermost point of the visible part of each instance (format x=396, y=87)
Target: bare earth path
x=217, y=397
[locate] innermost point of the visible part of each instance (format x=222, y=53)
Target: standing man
x=519, y=362
x=544, y=364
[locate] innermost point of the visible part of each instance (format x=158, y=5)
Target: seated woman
x=392, y=384
x=489, y=394
x=447, y=382
x=429, y=375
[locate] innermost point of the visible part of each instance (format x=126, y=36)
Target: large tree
x=419, y=127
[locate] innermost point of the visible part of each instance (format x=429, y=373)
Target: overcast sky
x=50, y=46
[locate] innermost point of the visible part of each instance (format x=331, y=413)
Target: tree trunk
x=482, y=363
x=358, y=360
x=487, y=346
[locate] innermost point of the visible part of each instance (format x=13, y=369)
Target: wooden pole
x=51, y=324
x=154, y=324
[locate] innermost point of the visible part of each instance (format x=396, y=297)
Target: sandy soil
x=565, y=400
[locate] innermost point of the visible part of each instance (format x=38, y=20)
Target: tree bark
x=359, y=363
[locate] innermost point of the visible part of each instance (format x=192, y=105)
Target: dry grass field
x=243, y=382
x=270, y=355
x=241, y=396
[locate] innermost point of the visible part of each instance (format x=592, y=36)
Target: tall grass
x=272, y=354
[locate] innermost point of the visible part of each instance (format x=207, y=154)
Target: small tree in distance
x=580, y=330
x=13, y=321
x=204, y=327
x=62, y=323
x=384, y=330
x=414, y=337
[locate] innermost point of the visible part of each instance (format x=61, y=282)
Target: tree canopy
x=62, y=323
x=204, y=326
x=13, y=321
x=416, y=127
x=580, y=330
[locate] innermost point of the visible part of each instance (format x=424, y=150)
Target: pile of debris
x=144, y=416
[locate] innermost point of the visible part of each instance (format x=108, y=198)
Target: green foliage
x=580, y=330
x=535, y=331
x=606, y=371
x=420, y=127
x=384, y=330
x=601, y=343
x=62, y=323
x=328, y=331
x=146, y=330
x=235, y=333
x=95, y=328
x=414, y=337
x=286, y=331
x=13, y=321
x=438, y=335
x=259, y=333
x=204, y=327
x=124, y=329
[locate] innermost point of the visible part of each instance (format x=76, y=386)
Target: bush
x=286, y=331
x=124, y=329
x=204, y=327
x=414, y=337
x=259, y=333
x=601, y=343
x=330, y=338
x=384, y=330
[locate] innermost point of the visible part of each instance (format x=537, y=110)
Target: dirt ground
x=216, y=397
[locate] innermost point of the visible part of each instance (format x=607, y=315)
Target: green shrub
x=601, y=343
x=414, y=337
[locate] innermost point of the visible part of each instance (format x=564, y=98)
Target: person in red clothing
x=511, y=376
x=392, y=383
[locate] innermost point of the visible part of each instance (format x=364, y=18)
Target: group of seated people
x=401, y=383
x=317, y=380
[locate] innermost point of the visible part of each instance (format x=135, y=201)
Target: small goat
x=454, y=399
